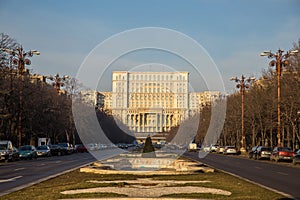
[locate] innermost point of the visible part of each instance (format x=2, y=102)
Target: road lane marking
x=257, y=167
x=282, y=173
x=18, y=169
x=10, y=179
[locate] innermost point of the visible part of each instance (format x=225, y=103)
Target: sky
x=232, y=33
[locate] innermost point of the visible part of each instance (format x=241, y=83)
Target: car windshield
x=285, y=149
x=3, y=146
x=42, y=148
x=266, y=149
x=25, y=148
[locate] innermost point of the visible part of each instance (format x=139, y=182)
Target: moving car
x=282, y=153
x=28, y=152
x=296, y=158
x=43, y=150
x=230, y=150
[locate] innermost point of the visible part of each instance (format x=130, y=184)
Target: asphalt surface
x=282, y=177
x=23, y=173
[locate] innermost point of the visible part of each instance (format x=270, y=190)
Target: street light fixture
x=19, y=58
x=58, y=81
x=243, y=84
x=280, y=61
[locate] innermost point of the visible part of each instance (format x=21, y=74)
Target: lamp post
x=58, y=81
x=243, y=84
x=19, y=58
x=280, y=61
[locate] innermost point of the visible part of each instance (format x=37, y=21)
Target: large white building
x=152, y=102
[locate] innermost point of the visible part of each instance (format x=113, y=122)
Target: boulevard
x=282, y=177
x=17, y=175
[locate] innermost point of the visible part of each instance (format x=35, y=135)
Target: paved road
x=20, y=174
x=281, y=177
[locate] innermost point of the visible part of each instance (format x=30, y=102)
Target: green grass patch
x=51, y=189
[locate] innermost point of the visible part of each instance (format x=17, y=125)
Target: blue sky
x=234, y=32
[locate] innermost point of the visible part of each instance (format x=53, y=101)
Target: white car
x=220, y=149
x=214, y=147
x=206, y=149
x=230, y=150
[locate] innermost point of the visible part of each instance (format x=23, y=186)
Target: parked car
x=80, y=148
x=57, y=150
x=67, y=147
x=214, y=147
x=282, y=153
x=15, y=154
x=43, y=150
x=230, y=150
x=252, y=152
x=220, y=149
x=296, y=158
x=27, y=152
x=206, y=149
x=6, y=150
x=263, y=152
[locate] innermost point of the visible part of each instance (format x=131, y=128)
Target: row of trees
x=261, y=111
x=44, y=111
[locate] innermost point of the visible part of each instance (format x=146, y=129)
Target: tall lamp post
x=280, y=61
x=19, y=58
x=243, y=84
x=58, y=81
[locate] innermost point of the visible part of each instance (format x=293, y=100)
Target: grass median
x=51, y=189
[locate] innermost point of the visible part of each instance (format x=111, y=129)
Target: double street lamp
x=280, y=61
x=58, y=81
x=20, y=59
x=242, y=84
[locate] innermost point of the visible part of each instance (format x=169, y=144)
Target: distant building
x=150, y=102
x=89, y=97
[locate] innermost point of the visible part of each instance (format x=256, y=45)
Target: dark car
x=43, y=150
x=27, y=152
x=263, y=152
x=57, y=150
x=68, y=149
x=15, y=154
x=80, y=148
x=296, y=158
x=252, y=152
x=282, y=153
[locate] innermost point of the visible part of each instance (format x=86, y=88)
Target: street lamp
x=19, y=58
x=243, y=84
x=280, y=61
x=58, y=81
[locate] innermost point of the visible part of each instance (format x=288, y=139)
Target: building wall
x=153, y=101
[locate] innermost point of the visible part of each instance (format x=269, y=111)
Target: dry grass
x=76, y=180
